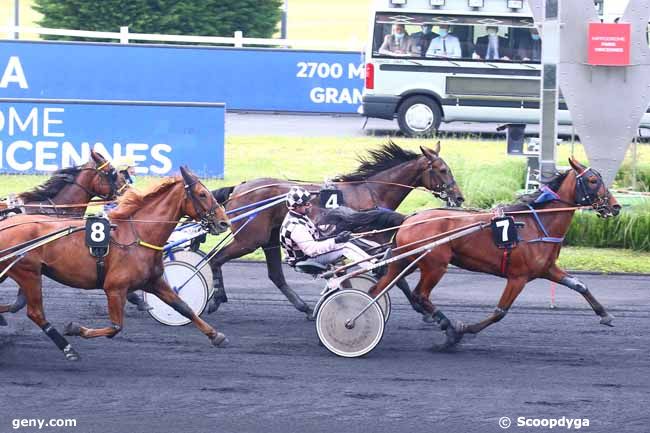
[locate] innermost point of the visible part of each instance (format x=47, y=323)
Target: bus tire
x=419, y=116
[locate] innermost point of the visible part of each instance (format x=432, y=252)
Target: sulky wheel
x=345, y=339
x=194, y=258
x=194, y=293
x=364, y=283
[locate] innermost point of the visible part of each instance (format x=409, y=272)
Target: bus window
x=453, y=37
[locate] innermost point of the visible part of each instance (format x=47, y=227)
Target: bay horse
x=382, y=180
x=67, y=186
x=533, y=257
x=143, y=223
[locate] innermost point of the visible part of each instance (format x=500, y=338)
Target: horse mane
x=524, y=200
x=387, y=156
x=134, y=200
x=51, y=187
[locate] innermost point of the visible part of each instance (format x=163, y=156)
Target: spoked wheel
x=194, y=293
x=364, y=283
x=193, y=258
x=347, y=339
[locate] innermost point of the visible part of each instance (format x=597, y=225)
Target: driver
x=301, y=240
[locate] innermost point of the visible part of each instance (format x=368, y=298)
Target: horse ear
x=576, y=165
x=187, y=176
x=97, y=157
x=437, y=149
x=429, y=153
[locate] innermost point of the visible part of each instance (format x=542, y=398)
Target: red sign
x=609, y=44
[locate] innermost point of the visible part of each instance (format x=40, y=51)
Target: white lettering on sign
x=332, y=95
x=25, y=154
x=13, y=73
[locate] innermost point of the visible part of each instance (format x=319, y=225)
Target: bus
x=456, y=60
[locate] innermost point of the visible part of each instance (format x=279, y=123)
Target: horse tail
x=346, y=219
x=221, y=195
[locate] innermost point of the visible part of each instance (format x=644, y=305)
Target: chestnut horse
x=382, y=181
x=533, y=257
x=68, y=186
x=135, y=260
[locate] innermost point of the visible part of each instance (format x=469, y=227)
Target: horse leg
x=229, y=252
x=31, y=288
x=138, y=301
x=116, y=300
x=161, y=289
x=560, y=276
x=513, y=288
x=274, y=266
x=17, y=305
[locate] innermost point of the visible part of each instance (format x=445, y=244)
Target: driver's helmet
x=297, y=196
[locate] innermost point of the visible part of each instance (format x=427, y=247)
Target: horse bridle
x=110, y=174
x=441, y=190
x=586, y=196
x=204, y=220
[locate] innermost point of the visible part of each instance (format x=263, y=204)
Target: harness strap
x=540, y=224
x=505, y=260
x=150, y=246
x=101, y=273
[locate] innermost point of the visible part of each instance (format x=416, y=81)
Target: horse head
x=438, y=178
x=103, y=180
x=200, y=205
x=590, y=190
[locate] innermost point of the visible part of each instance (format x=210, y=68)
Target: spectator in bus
x=398, y=43
x=422, y=39
x=445, y=45
x=491, y=46
x=530, y=47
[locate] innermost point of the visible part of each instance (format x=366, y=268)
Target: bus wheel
x=419, y=116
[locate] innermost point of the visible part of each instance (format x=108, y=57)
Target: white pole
x=16, y=17
x=124, y=35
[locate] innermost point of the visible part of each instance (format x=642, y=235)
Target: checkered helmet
x=297, y=196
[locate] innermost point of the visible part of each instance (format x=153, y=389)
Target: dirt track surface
x=274, y=376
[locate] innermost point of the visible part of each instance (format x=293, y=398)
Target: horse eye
x=203, y=194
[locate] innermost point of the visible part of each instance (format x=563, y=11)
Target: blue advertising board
x=43, y=136
x=242, y=78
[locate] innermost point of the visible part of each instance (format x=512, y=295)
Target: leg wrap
x=441, y=319
x=182, y=308
x=18, y=304
x=54, y=335
x=574, y=284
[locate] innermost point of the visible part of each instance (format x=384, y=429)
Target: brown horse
x=73, y=185
x=533, y=257
x=68, y=186
x=135, y=260
x=382, y=181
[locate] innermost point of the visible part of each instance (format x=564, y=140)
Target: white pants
x=347, y=250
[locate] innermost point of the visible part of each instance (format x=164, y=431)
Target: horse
x=382, y=180
x=143, y=223
x=67, y=187
x=534, y=256
x=72, y=186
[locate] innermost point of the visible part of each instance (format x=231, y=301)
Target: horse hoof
x=220, y=340
x=213, y=306
x=310, y=315
x=607, y=320
x=72, y=328
x=71, y=354
x=3, y=322
x=144, y=306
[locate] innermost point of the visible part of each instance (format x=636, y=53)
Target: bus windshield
x=460, y=37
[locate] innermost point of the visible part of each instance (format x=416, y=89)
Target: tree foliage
x=255, y=18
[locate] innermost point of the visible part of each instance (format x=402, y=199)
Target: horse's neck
x=557, y=223
x=166, y=209
x=390, y=196
x=72, y=194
